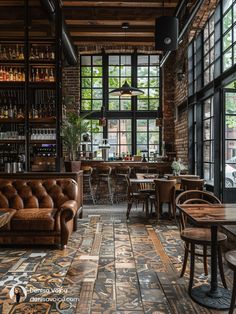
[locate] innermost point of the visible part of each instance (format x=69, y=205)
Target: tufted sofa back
x=48, y=193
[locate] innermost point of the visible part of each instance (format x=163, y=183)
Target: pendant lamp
x=126, y=90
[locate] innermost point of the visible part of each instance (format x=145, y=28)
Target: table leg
x=212, y=296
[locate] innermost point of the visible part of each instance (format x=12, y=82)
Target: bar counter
x=161, y=167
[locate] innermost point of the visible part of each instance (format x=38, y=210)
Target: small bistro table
x=211, y=215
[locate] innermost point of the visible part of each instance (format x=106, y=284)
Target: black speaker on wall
x=166, y=33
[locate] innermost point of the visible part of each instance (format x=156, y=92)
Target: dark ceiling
x=92, y=22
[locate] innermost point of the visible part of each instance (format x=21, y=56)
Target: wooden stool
x=230, y=257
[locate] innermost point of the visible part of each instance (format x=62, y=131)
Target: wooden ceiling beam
x=113, y=43
x=114, y=39
x=112, y=29
x=110, y=22
x=113, y=35
x=119, y=4
x=113, y=14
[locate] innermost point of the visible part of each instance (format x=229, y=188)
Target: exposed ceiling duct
x=68, y=48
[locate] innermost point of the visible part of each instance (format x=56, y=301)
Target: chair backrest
x=87, y=170
x=140, y=169
x=165, y=190
x=131, y=188
x=103, y=170
x=194, y=197
x=192, y=184
x=123, y=170
x=144, y=185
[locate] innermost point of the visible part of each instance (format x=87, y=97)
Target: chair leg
x=233, y=297
x=147, y=205
x=205, y=260
x=221, y=268
x=185, y=259
x=128, y=209
x=192, y=265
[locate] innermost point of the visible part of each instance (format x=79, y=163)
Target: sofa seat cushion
x=5, y=218
x=34, y=219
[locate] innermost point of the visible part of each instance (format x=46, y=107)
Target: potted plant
x=73, y=128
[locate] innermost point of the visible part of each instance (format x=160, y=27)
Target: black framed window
x=120, y=136
x=191, y=62
x=229, y=34
x=208, y=141
x=102, y=73
x=208, y=51
x=148, y=80
x=91, y=82
x=119, y=70
x=147, y=134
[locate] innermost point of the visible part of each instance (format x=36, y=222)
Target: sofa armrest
x=70, y=205
x=68, y=211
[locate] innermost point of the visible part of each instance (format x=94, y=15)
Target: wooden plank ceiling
x=100, y=22
x=92, y=22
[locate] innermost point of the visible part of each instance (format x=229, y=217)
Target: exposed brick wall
x=175, y=92
x=71, y=86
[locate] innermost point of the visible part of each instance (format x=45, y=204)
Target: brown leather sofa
x=39, y=211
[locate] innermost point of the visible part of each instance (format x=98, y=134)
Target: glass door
x=229, y=146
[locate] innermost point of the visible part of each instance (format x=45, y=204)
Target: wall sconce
x=180, y=76
x=102, y=120
x=159, y=119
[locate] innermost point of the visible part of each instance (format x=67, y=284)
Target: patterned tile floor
x=108, y=267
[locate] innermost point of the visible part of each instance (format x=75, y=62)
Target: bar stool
x=87, y=185
x=230, y=257
x=120, y=191
x=103, y=174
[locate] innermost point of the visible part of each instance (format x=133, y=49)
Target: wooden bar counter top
x=162, y=167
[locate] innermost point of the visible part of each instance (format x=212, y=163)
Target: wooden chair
x=103, y=174
x=164, y=193
x=192, y=184
x=134, y=195
x=120, y=191
x=193, y=236
x=87, y=185
x=230, y=257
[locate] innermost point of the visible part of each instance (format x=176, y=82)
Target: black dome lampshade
x=166, y=33
x=126, y=91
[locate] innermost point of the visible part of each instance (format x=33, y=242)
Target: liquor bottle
x=36, y=56
x=14, y=112
x=41, y=75
x=37, y=78
x=10, y=111
x=32, y=75
x=13, y=54
x=5, y=112
x=4, y=54
x=15, y=74
x=9, y=54
x=20, y=114
x=47, y=54
x=19, y=75
x=41, y=54
x=17, y=52
x=46, y=77
x=32, y=57
x=23, y=75
x=1, y=74
x=7, y=75
x=21, y=55
x=51, y=76
x=11, y=75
